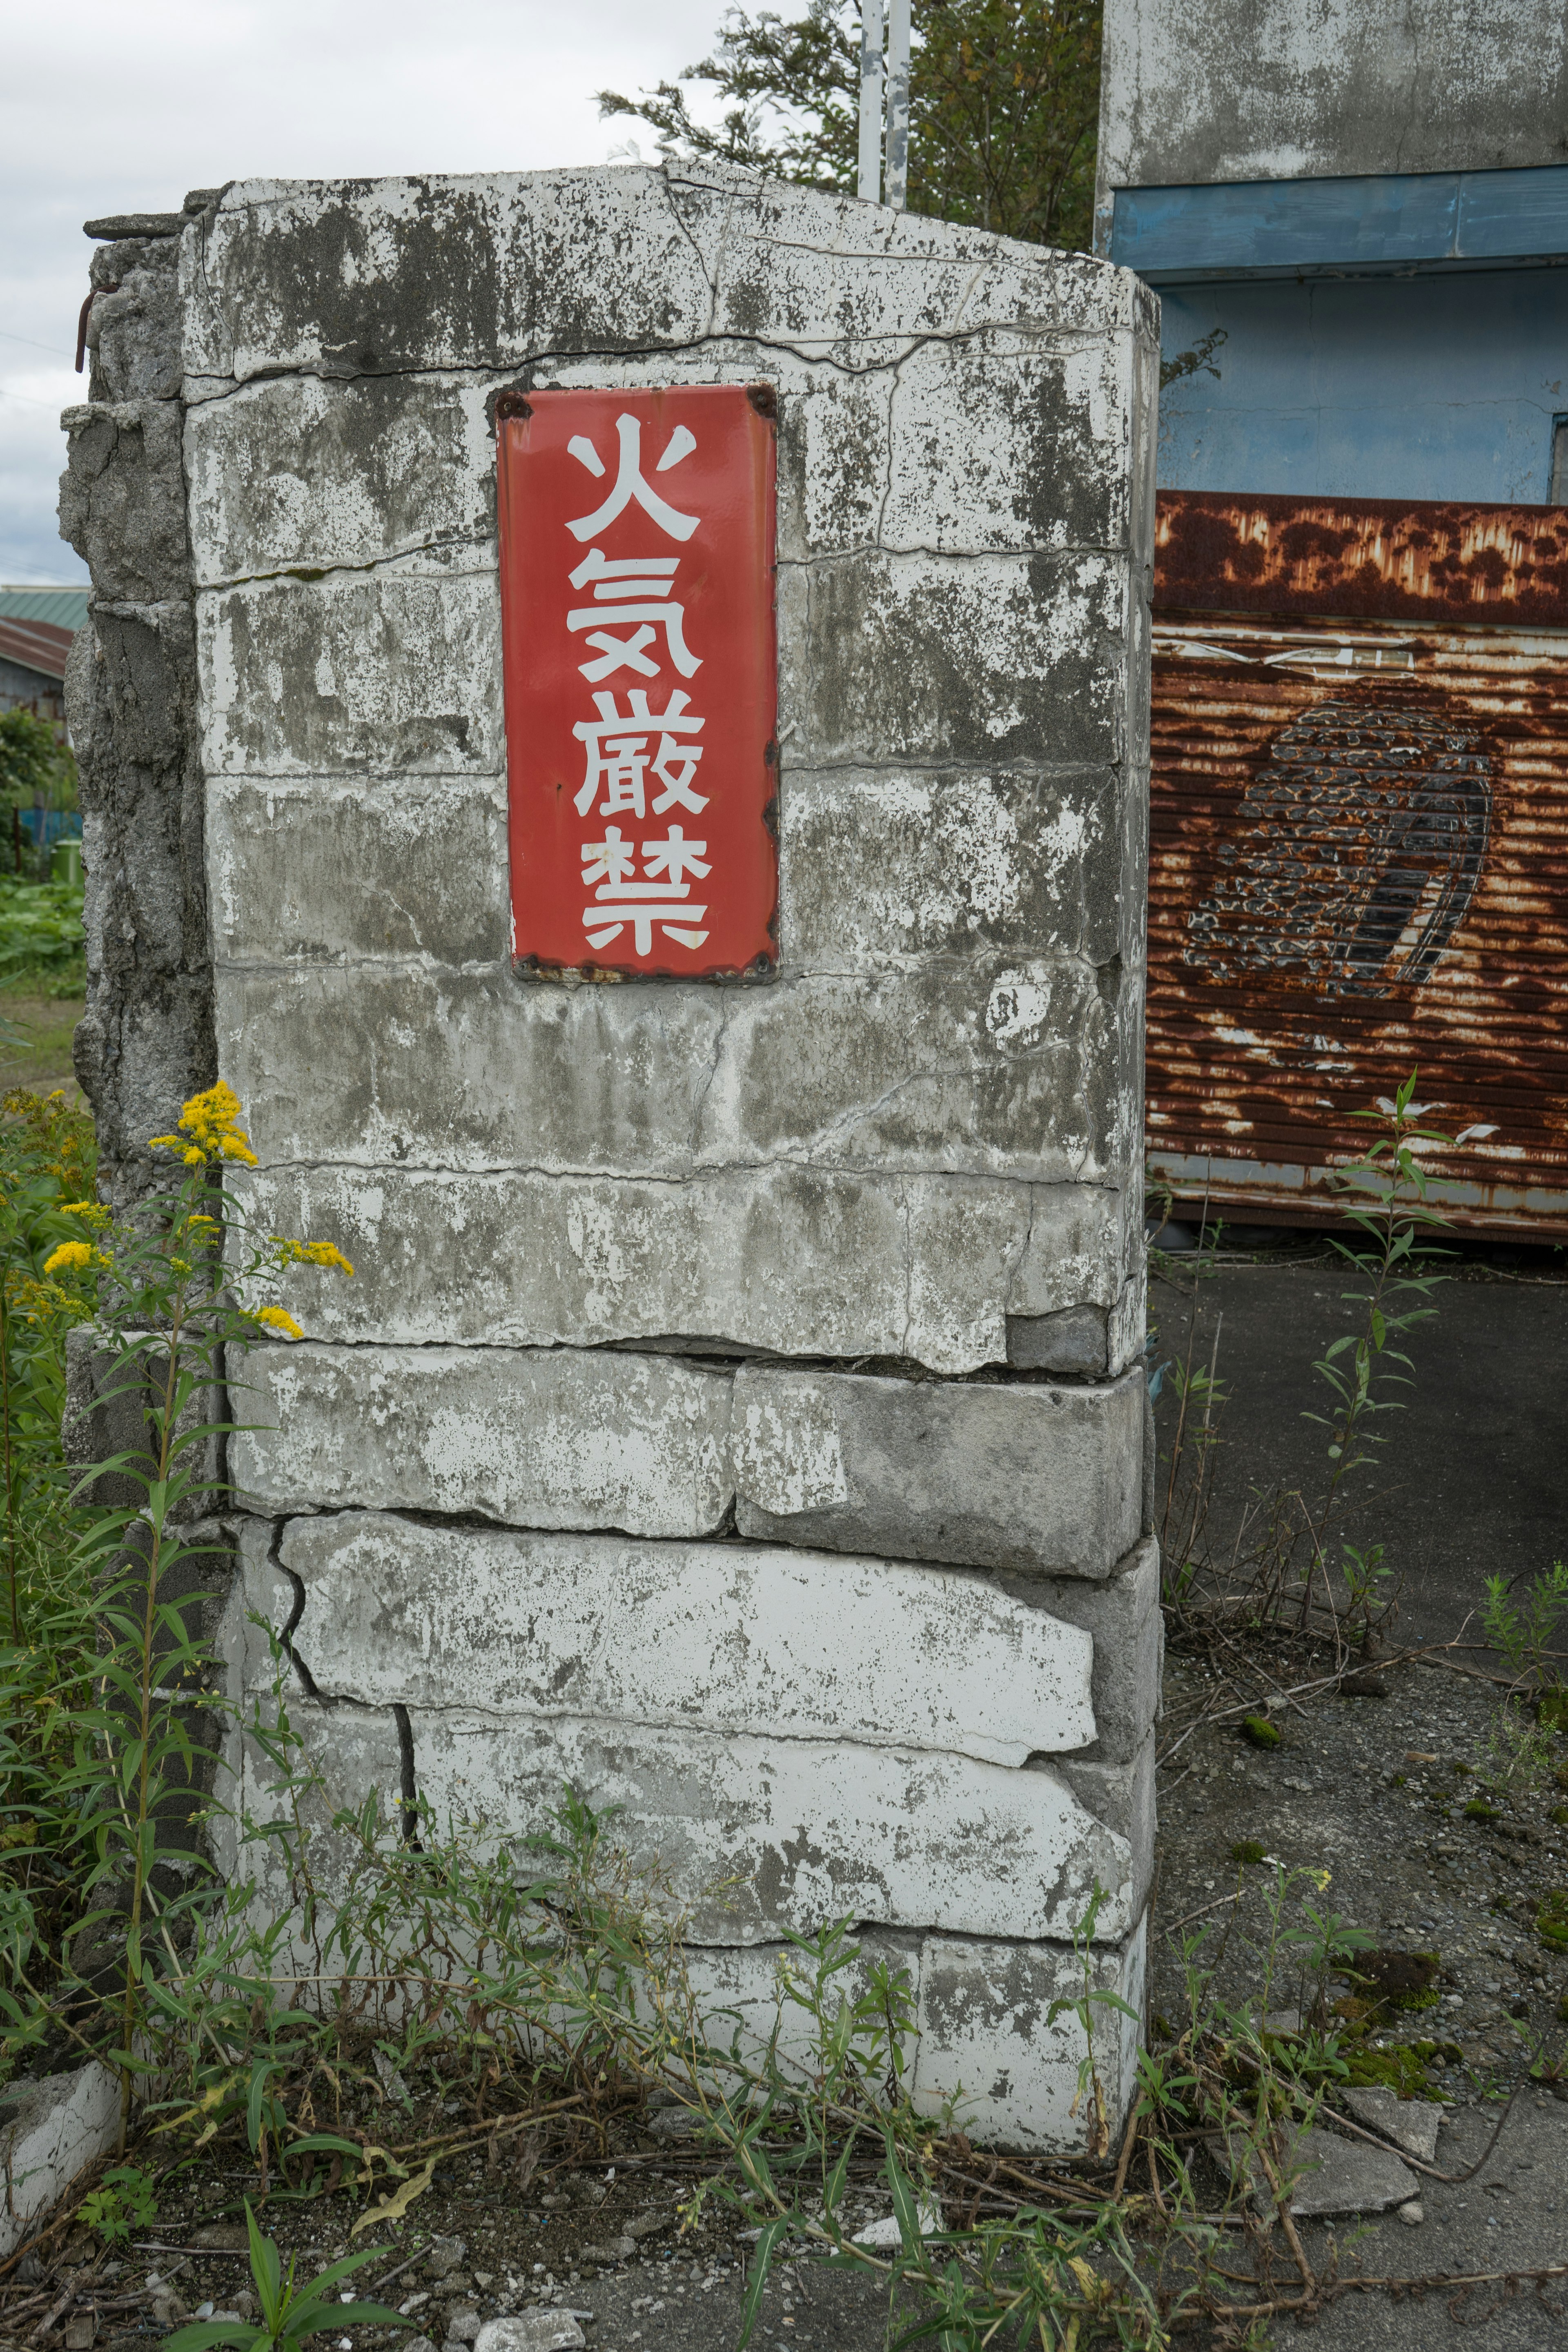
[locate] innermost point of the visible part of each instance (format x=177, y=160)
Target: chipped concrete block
x=993, y=1475
x=972, y=1068
x=1122, y=1797
x=918, y=1141
x=296, y=471
x=315, y=869
x=398, y=670
x=1123, y=1617
x=788, y=1646
x=761, y=1837
x=988, y=2040
x=548, y=1438
x=800, y=1261
x=51, y=2130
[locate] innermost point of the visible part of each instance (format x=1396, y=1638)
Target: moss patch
x=1478, y=1810
x=1258, y=1732
x=1552, y=1919
x=1401, y=2070
x=1248, y=1851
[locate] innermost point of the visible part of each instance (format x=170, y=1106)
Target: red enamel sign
x=637, y=554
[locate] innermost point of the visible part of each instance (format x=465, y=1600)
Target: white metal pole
x=870, y=176
x=896, y=180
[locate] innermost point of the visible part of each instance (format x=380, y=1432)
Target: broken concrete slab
x=51, y=2129
x=541, y=1438
x=535, y=1626
x=1023, y=1477
x=1328, y=2173
x=1411, y=2124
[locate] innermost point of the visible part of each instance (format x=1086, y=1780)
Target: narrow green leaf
x=760, y=2262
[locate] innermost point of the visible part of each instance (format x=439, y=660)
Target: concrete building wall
x=1201, y=90
x=776, y=1346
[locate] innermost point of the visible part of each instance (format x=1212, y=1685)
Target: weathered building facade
x=737, y=1409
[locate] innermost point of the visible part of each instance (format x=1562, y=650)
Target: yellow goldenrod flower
x=277, y=1318
x=310, y=1253
x=210, y=1129
x=74, y=1257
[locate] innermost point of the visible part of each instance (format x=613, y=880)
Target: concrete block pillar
x=737, y=1409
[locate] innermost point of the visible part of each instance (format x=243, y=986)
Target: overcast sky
x=122, y=109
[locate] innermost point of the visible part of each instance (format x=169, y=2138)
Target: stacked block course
x=738, y=1407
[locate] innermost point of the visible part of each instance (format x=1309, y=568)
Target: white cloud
x=124, y=108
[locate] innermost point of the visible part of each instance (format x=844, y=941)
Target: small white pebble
x=1412, y=2213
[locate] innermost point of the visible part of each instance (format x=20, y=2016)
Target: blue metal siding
x=1401, y=221
x=1430, y=387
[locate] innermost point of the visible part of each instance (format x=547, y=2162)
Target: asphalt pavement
x=1472, y=1476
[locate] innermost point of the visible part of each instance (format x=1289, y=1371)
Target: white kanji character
x=616, y=581
x=610, y=860
x=630, y=482
x=616, y=753
x=673, y=856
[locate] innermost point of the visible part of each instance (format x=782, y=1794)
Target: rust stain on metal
x=1376, y=558
x=1359, y=865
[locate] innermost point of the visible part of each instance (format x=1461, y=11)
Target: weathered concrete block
x=1000, y=445
x=981, y=658
x=399, y=671
x=761, y=1837
x=995, y=1475
x=123, y=500
x=882, y=868
x=298, y=470
x=776, y=1645
x=793, y=1260
x=818, y=271
x=543, y=1438
x=987, y=2037
x=1077, y=1302
x=315, y=869
x=970, y=1068
x=51, y=2129
x=379, y=276
x=1123, y=1617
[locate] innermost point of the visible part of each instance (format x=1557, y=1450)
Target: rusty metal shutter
x=1359, y=847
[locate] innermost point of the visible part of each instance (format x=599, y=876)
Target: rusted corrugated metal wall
x=1359, y=847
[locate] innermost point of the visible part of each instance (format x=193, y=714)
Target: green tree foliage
x=36, y=767
x=1003, y=106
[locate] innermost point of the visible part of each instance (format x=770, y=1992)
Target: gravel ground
x=1369, y=1791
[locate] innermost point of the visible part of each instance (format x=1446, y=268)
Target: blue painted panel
x=1282, y=224
x=1506, y=213
x=1399, y=221
x=1438, y=387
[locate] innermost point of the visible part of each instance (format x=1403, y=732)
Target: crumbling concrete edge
x=147, y=1042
